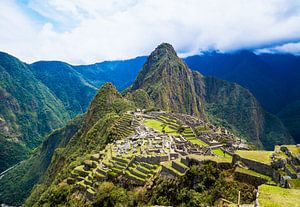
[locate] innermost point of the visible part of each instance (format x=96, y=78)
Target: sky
x=89, y=31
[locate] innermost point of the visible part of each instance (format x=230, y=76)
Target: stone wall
x=152, y=159
x=167, y=172
x=256, y=166
x=250, y=179
x=178, y=167
x=220, y=165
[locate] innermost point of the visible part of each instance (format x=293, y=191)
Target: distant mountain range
x=274, y=79
x=49, y=93
x=164, y=82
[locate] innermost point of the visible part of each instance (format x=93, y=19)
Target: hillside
x=272, y=78
x=66, y=83
x=120, y=72
x=28, y=110
x=174, y=87
x=76, y=159
x=75, y=152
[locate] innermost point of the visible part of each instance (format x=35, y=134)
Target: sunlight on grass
x=158, y=125
x=259, y=155
x=274, y=196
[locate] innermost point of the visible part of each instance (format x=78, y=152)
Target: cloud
x=88, y=31
x=293, y=48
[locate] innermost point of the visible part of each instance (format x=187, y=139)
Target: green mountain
x=174, y=87
x=273, y=79
x=169, y=82
x=38, y=98
x=28, y=110
x=66, y=83
x=164, y=82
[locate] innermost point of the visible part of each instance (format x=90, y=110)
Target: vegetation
x=160, y=126
x=28, y=110
x=259, y=156
x=273, y=196
x=11, y=152
x=16, y=184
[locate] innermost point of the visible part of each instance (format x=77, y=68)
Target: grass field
x=158, y=125
x=212, y=158
x=259, y=156
x=196, y=141
x=293, y=148
x=219, y=152
x=295, y=183
x=274, y=196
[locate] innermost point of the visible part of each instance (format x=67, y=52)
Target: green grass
x=253, y=173
x=168, y=165
x=197, y=141
x=212, y=158
x=274, y=196
x=293, y=149
x=220, y=152
x=157, y=125
x=259, y=156
x=295, y=183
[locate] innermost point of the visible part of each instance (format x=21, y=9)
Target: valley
x=174, y=137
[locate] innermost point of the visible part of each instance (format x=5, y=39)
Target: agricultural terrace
x=258, y=155
x=274, y=196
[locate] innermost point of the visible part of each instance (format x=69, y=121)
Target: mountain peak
x=102, y=102
x=162, y=50
x=168, y=81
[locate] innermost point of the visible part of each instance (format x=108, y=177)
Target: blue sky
x=88, y=31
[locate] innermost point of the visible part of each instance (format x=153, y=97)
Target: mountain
x=274, y=79
x=169, y=82
x=164, y=82
x=66, y=83
x=28, y=110
x=174, y=87
x=120, y=72
x=40, y=97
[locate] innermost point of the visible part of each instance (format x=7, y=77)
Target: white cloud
x=87, y=31
x=293, y=48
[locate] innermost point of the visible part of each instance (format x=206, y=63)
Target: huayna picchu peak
x=161, y=133
x=149, y=103
x=169, y=82
x=174, y=87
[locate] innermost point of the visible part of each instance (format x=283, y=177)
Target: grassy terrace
x=259, y=156
x=194, y=140
x=273, y=196
x=168, y=165
x=293, y=149
x=219, y=152
x=253, y=173
x=212, y=158
x=295, y=183
x=158, y=125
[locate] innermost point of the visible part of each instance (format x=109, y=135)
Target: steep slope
x=94, y=133
x=121, y=72
x=28, y=110
x=274, y=79
x=236, y=105
x=169, y=82
x=244, y=68
x=65, y=148
x=174, y=87
x=16, y=185
x=66, y=83
x=290, y=116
